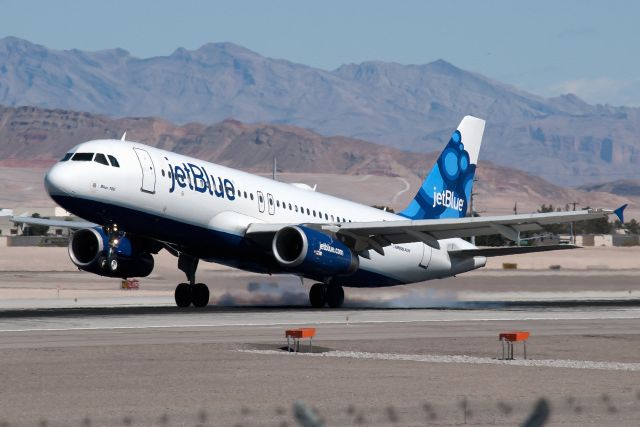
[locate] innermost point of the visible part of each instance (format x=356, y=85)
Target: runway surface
x=226, y=366
x=77, y=350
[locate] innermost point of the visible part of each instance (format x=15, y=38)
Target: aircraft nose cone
x=54, y=181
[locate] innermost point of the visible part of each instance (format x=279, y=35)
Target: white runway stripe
x=547, y=363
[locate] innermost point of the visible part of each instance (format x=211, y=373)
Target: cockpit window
x=82, y=157
x=113, y=161
x=66, y=157
x=100, y=158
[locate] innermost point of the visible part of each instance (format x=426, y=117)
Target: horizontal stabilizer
x=508, y=250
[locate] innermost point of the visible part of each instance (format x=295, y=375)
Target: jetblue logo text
x=447, y=199
x=331, y=249
x=197, y=179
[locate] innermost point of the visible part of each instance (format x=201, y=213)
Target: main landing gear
x=321, y=294
x=190, y=293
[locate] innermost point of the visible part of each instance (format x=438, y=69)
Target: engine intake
x=310, y=251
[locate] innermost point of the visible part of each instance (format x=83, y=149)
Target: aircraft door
x=148, y=171
x=426, y=256
x=261, y=201
x=272, y=205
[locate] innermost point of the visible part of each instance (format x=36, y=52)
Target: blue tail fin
x=446, y=190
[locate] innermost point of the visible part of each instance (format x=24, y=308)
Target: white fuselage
x=205, y=209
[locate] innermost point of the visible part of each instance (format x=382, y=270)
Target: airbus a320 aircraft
x=139, y=200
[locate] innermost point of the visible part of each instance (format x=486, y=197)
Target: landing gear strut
x=110, y=261
x=321, y=294
x=190, y=293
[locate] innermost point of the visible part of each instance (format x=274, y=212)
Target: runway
x=173, y=318
x=77, y=350
x=226, y=366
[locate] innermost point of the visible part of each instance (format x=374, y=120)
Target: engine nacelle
x=313, y=252
x=89, y=249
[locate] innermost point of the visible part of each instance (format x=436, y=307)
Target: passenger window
x=251, y=194
x=100, y=158
x=245, y=195
x=332, y=220
x=314, y=214
x=66, y=157
x=290, y=207
x=308, y=212
x=278, y=203
x=82, y=157
x=113, y=161
x=326, y=217
x=296, y=208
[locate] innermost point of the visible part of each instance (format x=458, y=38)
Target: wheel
x=317, y=295
x=200, y=295
x=183, y=295
x=113, y=265
x=102, y=262
x=335, y=296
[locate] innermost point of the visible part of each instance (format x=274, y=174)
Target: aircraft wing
x=56, y=223
x=361, y=236
x=385, y=233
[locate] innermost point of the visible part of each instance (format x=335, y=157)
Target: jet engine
x=89, y=251
x=309, y=251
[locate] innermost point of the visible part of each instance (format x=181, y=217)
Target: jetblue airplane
x=138, y=200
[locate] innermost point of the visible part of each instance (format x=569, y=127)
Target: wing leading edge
x=74, y=225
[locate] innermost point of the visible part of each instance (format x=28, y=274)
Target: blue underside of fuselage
x=204, y=243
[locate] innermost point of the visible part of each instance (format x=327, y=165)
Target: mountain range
x=409, y=107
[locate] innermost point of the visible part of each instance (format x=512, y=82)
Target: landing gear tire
x=200, y=295
x=318, y=295
x=183, y=295
x=335, y=296
x=113, y=265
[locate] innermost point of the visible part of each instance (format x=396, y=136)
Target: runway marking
x=547, y=363
x=622, y=315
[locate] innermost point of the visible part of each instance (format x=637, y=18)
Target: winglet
x=620, y=212
x=124, y=136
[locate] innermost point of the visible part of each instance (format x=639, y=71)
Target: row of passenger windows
x=282, y=204
x=87, y=157
x=294, y=207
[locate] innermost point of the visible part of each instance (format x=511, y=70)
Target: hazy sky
x=546, y=47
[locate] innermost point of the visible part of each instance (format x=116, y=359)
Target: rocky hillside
x=621, y=187
x=404, y=106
